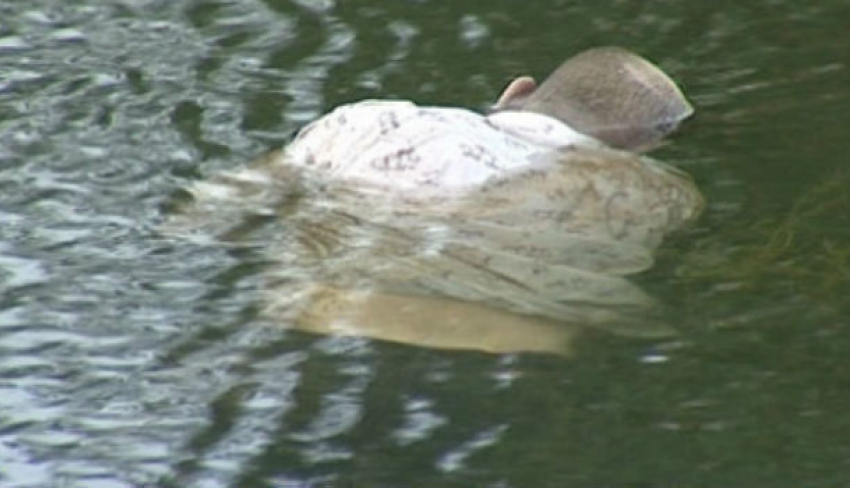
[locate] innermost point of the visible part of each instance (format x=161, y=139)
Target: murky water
x=131, y=358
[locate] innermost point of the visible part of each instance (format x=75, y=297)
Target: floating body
x=535, y=211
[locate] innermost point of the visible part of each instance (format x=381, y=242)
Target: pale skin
x=434, y=322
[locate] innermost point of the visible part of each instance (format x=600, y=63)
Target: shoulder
x=540, y=129
x=375, y=120
x=363, y=118
x=367, y=109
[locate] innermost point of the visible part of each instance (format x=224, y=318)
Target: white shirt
x=398, y=145
x=528, y=174
x=513, y=209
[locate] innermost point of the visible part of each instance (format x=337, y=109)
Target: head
x=607, y=93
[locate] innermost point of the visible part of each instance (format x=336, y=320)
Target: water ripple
x=129, y=359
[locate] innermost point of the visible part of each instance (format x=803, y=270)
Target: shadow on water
x=132, y=359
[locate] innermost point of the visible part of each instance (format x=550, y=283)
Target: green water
x=131, y=359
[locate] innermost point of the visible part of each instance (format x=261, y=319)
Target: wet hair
x=613, y=95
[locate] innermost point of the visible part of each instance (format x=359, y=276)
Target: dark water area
x=131, y=358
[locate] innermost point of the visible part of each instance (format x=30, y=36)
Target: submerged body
x=527, y=173
x=396, y=215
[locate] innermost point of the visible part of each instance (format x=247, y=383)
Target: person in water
x=601, y=97
x=525, y=216
x=559, y=158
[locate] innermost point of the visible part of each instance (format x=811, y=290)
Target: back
x=397, y=145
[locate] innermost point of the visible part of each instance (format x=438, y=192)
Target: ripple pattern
x=128, y=358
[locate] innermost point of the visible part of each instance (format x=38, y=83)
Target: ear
x=613, y=95
x=517, y=91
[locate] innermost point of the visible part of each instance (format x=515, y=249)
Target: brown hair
x=613, y=95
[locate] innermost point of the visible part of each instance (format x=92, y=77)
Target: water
x=129, y=358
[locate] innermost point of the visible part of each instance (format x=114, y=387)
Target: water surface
x=128, y=358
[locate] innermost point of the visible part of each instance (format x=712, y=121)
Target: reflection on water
x=128, y=358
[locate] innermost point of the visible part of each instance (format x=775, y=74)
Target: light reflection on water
x=127, y=357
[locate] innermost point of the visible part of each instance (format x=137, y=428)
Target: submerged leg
x=433, y=322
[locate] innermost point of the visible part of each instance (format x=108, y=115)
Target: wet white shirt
x=402, y=146
x=464, y=208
